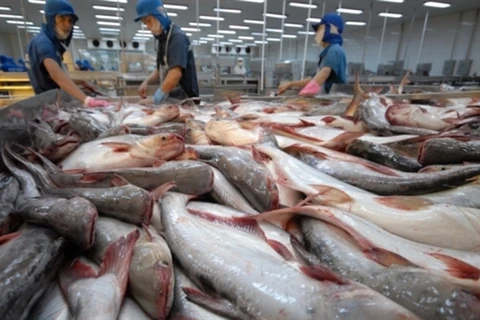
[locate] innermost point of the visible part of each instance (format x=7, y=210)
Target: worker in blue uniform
x=175, y=72
x=332, y=65
x=45, y=68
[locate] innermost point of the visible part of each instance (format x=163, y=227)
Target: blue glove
x=159, y=96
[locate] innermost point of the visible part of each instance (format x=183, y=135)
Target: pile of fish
x=366, y=208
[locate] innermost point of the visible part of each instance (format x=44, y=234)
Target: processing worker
x=175, y=70
x=44, y=59
x=332, y=65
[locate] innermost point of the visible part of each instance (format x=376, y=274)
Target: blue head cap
x=335, y=20
x=153, y=8
x=54, y=8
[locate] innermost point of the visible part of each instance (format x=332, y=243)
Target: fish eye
x=163, y=138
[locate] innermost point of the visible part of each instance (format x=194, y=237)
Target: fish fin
x=331, y=195
x=280, y=217
x=283, y=129
x=74, y=171
x=280, y=249
x=258, y=156
x=77, y=270
x=387, y=258
x=117, y=258
x=405, y=203
x=307, y=257
x=119, y=181
x=117, y=146
x=379, y=168
x=161, y=190
x=188, y=154
x=321, y=273
x=91, y=177
x=340, y=142
x=164, y=275
x=328, y=119
x=306, y=123
x=218, y=306
x=297, y=147
x=148, y=112
x=148, y=234
x=248, y=125
x=458, y=268
x=158, y=163
x=307, y=199
x=6, y=238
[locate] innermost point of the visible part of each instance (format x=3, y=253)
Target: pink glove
x=92, y=103
x=312, y=88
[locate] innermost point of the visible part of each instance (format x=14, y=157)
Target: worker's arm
x=62, y=79
x=153, y=78
x=172, y=79
x=293, y=84
x=315, y=85
x=322, y=75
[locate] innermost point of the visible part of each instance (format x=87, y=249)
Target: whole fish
x=90, y=294
x=129, y=203
x=28, y=264
x=52, y=306
x=176, y=128
x=86, y=126
x=123, y=152
x=9, y=188
x=231, y=133
x=152, y=117
x=131, y=311
x=384, y=155
x=74, y=219
x=427, y=295
x=335, y=109
x=184, y=308
x=449, y=151
x=26, y=180
x=416, y=219
x=53, y=146
x=252, y=179
x=150, y=276
x=277, y=290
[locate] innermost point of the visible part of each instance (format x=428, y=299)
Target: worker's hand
x=159, y=96
x=90, y=102
x=311, y=89
x=142, y=90
x=283, y=87
x=146, y=102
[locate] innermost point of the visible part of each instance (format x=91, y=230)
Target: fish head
x=60, y=147
x=163, y=146
x=169, y=112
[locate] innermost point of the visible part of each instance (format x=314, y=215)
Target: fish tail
x=75, y=271
x=164, y=274
x=8, y=237
x=458, y=268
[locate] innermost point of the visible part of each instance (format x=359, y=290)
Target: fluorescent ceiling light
x=109, y=32
x=311, y=33
x=175, y=7
x=302, y=5
x=202, y=42
x=173, y=14
x=76, y=27
x=227, y=32
x=99, y=16
x=390, y=15
x=216, y=36
x=106, y=23
x=194, y=24
x=144, y=35
x=251, y=44
x=259, y=34
x=107, y=29
x=191, y=29
x=290, y=36
x=435, y=4
x=140, y=39
x=236, y=41
x=239, y=27
x=11, y=16
x=293, y=25
x=274, y=39
x=207, y=39
x=5, y=9
x=42, y=11
x=108, y=8
x=253, y=21
x=37, y=1
x=227, y=10
x=20, y=22
x=255, y=1
x=189, y=34
x=355, y=23
x=351, y=11
x=314, y=20
x=246, y=38
x=109, y=39
x=275, y=30
x=226, y=43
x=261, y=42
x=212, y=18
x=274, y=15
x=144, y=31
x=29, y=27
x=394, y=1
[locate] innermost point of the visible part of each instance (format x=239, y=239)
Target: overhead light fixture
x=29, y=27
x=253, y=21
x=259, y=34
x=37, y=1
x=394, y=1
x=144, y=31
x=107, y=29
x=350, y=11
x=355, y=23
x=195, y=24
x=293, y=25
x=99, y=16
x=261, y=42
x=390, y=15
x=274, y=39
x=303, y=5
x=227, y=32
x=5, y=9
x=236, y=41
x=220, y=36
x=227, y=10
x=255, y=1
x=10, y=16
x=191, y=29
x=108, y=8
x=276, y=16
x=239, y=27
x=226, y=43
x=173, y=14
x=109, y=32
x=106, y=23
x=140, y=39
x=212, y=18
x=144, y=35
x=189, y=34
x=76, y=27
x=202, y=42
x=310, y=33
x=42, y=11
x=275, y=30
x=28, y=23
x=246, y=38
x=434, y=4
x=290, y=36
x=207, y=39
x=175, y=7
x=314, y=20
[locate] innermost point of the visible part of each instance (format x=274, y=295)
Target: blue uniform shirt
x=179, y=54
x=40, y=48
x=335, y=58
